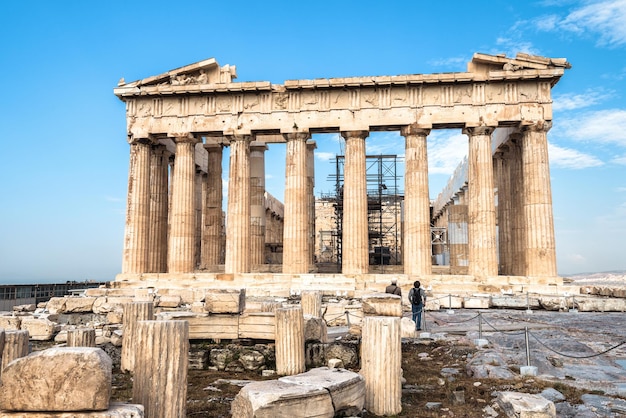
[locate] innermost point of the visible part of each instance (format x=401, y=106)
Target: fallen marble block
x=115, y=411
x=62, y=379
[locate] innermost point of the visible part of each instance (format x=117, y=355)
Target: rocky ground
x=580, y=360
x=447, y=375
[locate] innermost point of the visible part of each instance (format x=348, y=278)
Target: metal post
x=528, y=310
x=480, y=326
x=527, y=346
x=348, y=318
x=450, y=311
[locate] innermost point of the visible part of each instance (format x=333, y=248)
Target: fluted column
x=213, y=223
x=310, y=174
x=199, y=188
x=161, y=368
x=381, y=364
x=182, y=240
x=15, y=346
x=136, y=233
x=296, y=229
x=311, y=301
x=81, y=337
x=257, y=203
x=416, y=237
x=503, y=181
x=518, y=233
x=540, y=248
x=289, y=341
x=481, y=204
x=238, y=222
x=157, y=247
x=354, y=242
x=133, y=313
x=457, y=238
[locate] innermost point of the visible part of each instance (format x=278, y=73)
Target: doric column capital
x=183, y=137
x=294, y=136
x=478, y=130
x=537, y=126
x=239, y=137
x=143, y=141
x=213, y=147
x=414, y=129
x=311, y=145
x=354, y=134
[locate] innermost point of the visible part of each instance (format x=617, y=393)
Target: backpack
x=416, y=296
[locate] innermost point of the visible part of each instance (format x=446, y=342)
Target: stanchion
x=480, y=342
x=450, y=310
x=574, y=309
x=528, y=310
x=527, y=370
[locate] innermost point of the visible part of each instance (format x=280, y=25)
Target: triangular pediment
x=203, y=72
x=521, y=61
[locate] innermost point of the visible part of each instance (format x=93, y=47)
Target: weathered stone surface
x=252, y=360
x=346, y=388
x=78, y=304
x=525, y=405
x=220, y=357
x=315, y=328
x=514, y=302
x=58, y=379
x=25, y=308
x=169, y=301
x=81, y=337
x=225, y=300
x=488, y=363
x=382, y=304
x=278, y=399
x=10, y=323
x=15, y=346
x=39, y=329
x=477, y=303
x=116, y=410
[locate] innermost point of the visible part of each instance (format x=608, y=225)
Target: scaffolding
x=384, y=207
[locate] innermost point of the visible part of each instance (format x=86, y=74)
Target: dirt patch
x=434, y=372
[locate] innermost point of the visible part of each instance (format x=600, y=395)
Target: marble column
x=182, y=240
x=518, y=233
x=311, y=301
x=157, y=248
x=457, y=238
x=540, y=248
x=133, y=313
x=257, y=203
x=310, y=170
x=296, y=229
x=199, y=188
x=503, y=181
x=238, y=222
x=289, y=338
x=211, y=252
x=481, y=204
x=416, y=238
x=381, y=364
x=15, y=346
x=136, y=233
x=81, y=337
x=354, y=241
x=161, y=368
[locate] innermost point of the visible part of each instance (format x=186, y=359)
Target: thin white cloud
x=385, y=143
x=450, y=62
x=445, y=151
x=113, y=199
x=325, y=156
x=576, y=258
x=572, y=101
x=570, y=158
x=511, y=46
x=603, y=126
x=598, y=18
x=619, y=160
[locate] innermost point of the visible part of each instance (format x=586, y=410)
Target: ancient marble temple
x=179, y=122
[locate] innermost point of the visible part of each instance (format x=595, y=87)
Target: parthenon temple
x=496, y=211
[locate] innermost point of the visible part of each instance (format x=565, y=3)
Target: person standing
x=393, y=288
x=417, y=297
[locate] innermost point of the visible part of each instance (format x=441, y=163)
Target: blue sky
x=65, y=156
